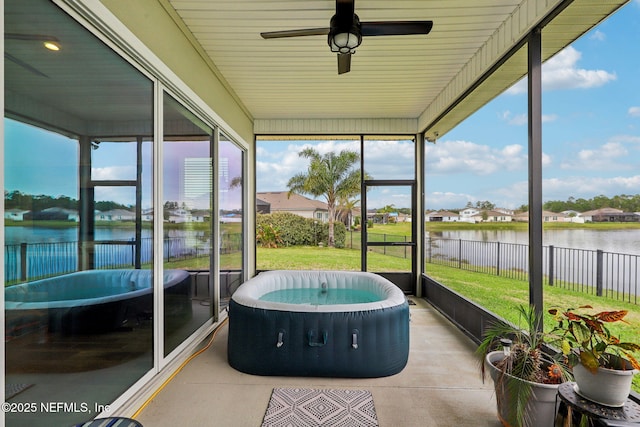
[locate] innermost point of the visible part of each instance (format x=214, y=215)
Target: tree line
x=36, y=203
x=624, y=202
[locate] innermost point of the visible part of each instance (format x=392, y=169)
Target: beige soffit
x=397, y=84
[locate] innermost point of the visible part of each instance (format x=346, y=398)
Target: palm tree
x=345, y=209
x=328, y=175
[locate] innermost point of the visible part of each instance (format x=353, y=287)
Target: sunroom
x=131, y=153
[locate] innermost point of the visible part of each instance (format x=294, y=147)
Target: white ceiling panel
x=393, y=76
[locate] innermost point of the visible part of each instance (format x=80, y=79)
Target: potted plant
x=603, y=365
x=526, y=378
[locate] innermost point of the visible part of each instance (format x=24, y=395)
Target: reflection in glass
x=79, y=242
x=231, y=177
x=113, y=160
x=187, y=213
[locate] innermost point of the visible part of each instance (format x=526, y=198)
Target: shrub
x=296, y=230
x=268, y=236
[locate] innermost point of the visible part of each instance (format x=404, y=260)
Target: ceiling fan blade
x=24, y=65
x=344, y=63
x=295, y=33
x=397, y=28
x=34, y=37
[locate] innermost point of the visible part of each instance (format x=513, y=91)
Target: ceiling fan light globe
x=344, y=42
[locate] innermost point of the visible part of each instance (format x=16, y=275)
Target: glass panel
x=293, y=229
x=385, y=259
x=389, y=213
x=231, y=175
x=187, y=177
x=389, y=157
x=82, y=336
x=591, y=196
x=113, y=160
x=476, y=189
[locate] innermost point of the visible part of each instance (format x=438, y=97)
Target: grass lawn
x=501, y=296
x=324, y=258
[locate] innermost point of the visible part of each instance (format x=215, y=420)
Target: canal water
x=617, y=241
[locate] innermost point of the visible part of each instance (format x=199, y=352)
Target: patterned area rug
x=303, y=407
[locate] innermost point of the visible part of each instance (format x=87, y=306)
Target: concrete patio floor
x=440, y=386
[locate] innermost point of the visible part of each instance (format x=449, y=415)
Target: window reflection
x=79, y=242
x=187, y=212
x=231, y=178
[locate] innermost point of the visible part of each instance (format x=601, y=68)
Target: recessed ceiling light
x=51, y=45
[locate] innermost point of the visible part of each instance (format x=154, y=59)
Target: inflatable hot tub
x=324, y=323
x=95, y=301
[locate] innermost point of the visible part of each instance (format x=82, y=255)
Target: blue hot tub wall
x=382, y=342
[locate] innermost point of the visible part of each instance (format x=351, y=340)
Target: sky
x=591, y=140
x=47, y=163
x=591, y=133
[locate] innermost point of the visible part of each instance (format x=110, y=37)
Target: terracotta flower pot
x=608, y=387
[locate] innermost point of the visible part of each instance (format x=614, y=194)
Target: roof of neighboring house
x=61, y=210
x=549, y=213
x=495, y=213
x=602, y=211
x=280, y=202
x=505, y=210
x=442, y=213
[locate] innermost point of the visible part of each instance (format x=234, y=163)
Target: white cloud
x=609, y=156
x=522, y=119
x=634, y=111
x=389, y=159
x=447, y=200
x=113, y=173
x=448, y=157
x=505, y=115
x=277, y=162
x=625, y=139
x=561, y=72
x=519, y=120
x=598, y=35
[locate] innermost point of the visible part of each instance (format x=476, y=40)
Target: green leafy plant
x=585, y=338
x=296, y=230
x=525, y=362
x=268, y=236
